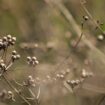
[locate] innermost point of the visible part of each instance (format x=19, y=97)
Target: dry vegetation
x=56, y=54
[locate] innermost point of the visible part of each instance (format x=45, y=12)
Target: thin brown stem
x=9, y=65
x=91, y=17
x=78, y=41
x=17, y=92
x=19, y=84
x=33, y=95
x=38, y=95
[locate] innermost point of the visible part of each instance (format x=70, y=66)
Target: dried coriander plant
x=5, y=43
x=30, y=83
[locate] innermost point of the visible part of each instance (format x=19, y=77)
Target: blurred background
x=48, y=29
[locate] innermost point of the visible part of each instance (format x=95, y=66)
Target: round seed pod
x=9, y=36
x=29, y=77
x=14, y=39
x=5, y=38
x=3, y=66
x=14, y=52
x=14, y=57
x=34, y=58
x=18, y=56
x=85, y=18
x=12, y=43
x=28, y=58
x=36, y=62
x=1, y=61
x=100, y=37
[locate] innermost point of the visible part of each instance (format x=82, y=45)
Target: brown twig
x=90, y=16
x=17, y=92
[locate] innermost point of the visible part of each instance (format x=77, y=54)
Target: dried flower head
x=14, y=52
x=86, y=74
x=2, y=67
x=7, y=95
x=73, y=83
x=10, y=95
x=32, y=60
x=85, y=18
x=30, y=82
x=100, y=37
x=9, y=36
x=15, y=56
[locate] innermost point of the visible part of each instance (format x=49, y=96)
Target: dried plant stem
x=68, y=87
x=12, y=87
x=91, y=17
x=75, y=46
x=9, y=65
x=17, y=83
x=38, y=95
x=33, y=95
x=5, y=53
x=60, y=7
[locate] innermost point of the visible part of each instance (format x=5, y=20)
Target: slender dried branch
x=60, y=7
x=17, y=92
x=91, y=17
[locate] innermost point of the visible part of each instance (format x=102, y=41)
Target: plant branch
x=91, y=17
x=17, y=92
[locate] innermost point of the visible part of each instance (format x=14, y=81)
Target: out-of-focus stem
x=12, y=87
x=78, y=40
x=91, y=17
x=11, y=63
x=60, y=7
x=31, y=92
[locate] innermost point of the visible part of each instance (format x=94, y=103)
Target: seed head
x=30, y=81
x=13, y=39
x=36, y=62
x=3, y=66
x=85, y=18
x=14, y=52
x=1, y=44
x=28, y=58
x=58, y=75
x=34, y=58
x=1, y=61
x=5, y=38
x=9, y=36
x=61, y=76
x=18, y=56
x=12, y=43
x=100, y=37
x=9, y=92
x=10, y=95
x=14, y=57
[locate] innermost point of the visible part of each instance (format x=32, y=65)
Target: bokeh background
x=48, y=29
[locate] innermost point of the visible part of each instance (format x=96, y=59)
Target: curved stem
x=91, y=17
x=78, y=40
